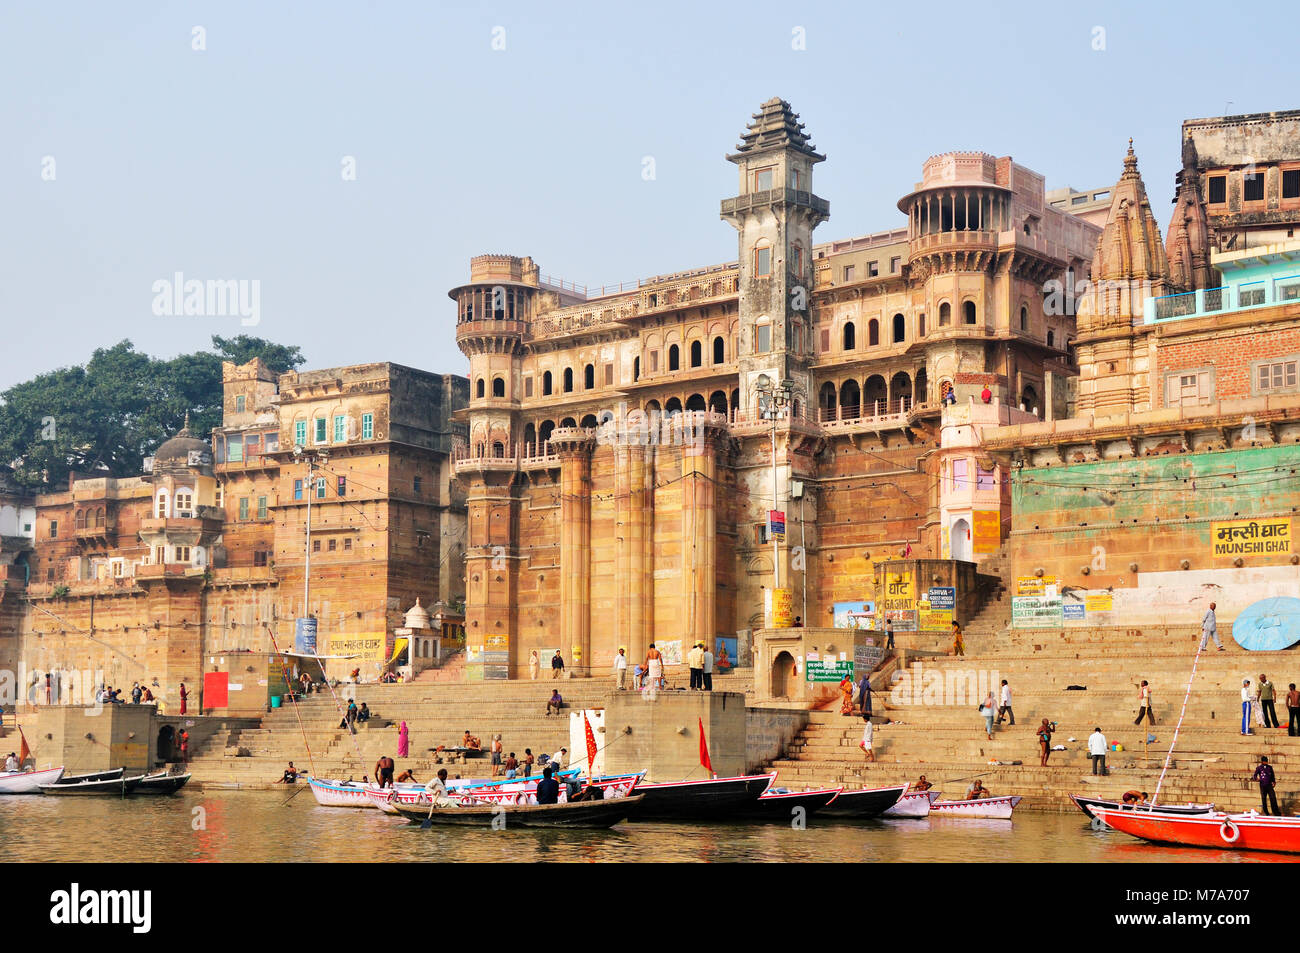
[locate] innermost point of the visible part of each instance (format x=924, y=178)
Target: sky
x=344, y=161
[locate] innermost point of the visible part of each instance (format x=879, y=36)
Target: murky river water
x=260, y=826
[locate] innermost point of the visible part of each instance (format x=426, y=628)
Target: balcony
x=1257, y=293
x=779, y=197
x=960, y=239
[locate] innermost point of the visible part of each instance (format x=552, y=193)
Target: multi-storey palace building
x=626, y=448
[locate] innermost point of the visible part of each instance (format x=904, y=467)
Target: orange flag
x=704, y=751
x=24, y=752
x=591, y=744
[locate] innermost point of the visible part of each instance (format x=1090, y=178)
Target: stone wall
x=662, y=736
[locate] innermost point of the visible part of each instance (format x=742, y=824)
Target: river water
x=260, y=826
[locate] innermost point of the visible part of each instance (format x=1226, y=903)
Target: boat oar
x=428, y=821
x=295, y=794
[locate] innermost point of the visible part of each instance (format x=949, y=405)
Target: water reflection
x=221, y=826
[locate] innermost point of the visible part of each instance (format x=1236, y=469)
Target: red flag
x=704, y=751
x=591, y=744
x=24, y=752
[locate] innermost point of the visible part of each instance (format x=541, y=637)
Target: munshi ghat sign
x=1259, y=537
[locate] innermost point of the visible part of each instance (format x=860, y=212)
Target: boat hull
x=995, y=807
x=161, y=783
x=581, y=814
x=29, y=782
x=914, y=804
x=1088, y=804
x=114, y=787
x=783, y=807
x=698, y=800
x=1216, y=830
x=93, y=776
x=864, y=803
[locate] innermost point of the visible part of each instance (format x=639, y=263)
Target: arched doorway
x=850, y=400
x=827, y=401
x=695, y=402
x=959, y=541
x=875, y=396
x=900, y=392
x=782, y=675
x=166, y=742
x=718, y=402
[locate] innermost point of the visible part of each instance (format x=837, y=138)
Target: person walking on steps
x=958, y=646
x=1266, y=697
x=1264, y=775
x=889, y=634
x=1045, y=741
x=1097, y=752
x=1245, y=707
x=1144, y=704
x=1210, y=628
x=557, y=664
x=1004, y=709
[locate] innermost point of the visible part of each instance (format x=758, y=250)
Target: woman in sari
x=846, y=695
x=403, y=742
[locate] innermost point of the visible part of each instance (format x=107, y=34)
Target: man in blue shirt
x=548, y=789
x=1264, y=775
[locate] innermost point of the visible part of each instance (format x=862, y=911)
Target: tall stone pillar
x=634, y=488
x=701, y=435
x=491, y=568
x=574, y=445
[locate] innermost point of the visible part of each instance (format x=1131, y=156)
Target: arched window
x=498, y=387
x=763, y=261
x=530, y=439
x=589, y=377
x=162, y=505
x=589, y=420
x=568, y=422
x=719, y=351
x=850, y=341
x=968, y=312
x=568, y=380
x=184, y=503
x=900, y=329
x=544, y=434
x=1051, y=338
x=498, y=449
x=1024, y=318
x=546, y=383
x=80, y=522
x=674, y=406
x=920, y=325
x=945, y=314
x=697, y=354
x=99, y=518
x=674, y=358
x=763, y=338
x=873, y=332
x=695, y=402
x=478, y=388
x=636, y=369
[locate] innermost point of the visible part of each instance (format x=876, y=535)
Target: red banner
x=704, y=750
x=591, y=744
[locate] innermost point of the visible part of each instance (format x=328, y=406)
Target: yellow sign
x=1251, y=537
x=898, y=591
x=782, y=608
x=933, y=619
x=1033, y=585
x=1098, y=602
x=986, y=531
x=369, y=647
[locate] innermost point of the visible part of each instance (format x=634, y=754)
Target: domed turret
x=417, y=617
x=184, y=451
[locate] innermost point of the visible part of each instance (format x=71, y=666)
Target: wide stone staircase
x=927, y=723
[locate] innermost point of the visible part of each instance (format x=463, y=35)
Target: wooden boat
x=781, y=805
x=1088, y=804
x=913, y=804
x=28, y=782
x=611, y=786
x=996, y=807
x=692, y=800
x=1216, y=830
x=109, y=775
x=864, y=803
x=333, y=793
x=113, y=787
x=330, y=793
x=597, y=814
x=160, y=783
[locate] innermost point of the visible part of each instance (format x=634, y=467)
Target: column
x=574, y=448
x=699, y=531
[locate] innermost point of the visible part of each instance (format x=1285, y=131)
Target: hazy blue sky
x=226, y=162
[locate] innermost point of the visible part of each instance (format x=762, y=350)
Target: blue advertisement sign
x=943, y=597
x=854, y=615
x=1074, y=611
x=304, y=636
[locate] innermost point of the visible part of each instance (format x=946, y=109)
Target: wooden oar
x=295, y=794
x=428, y=821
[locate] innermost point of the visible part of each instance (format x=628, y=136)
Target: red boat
x=1214, y=830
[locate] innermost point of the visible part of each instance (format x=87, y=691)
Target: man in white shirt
x=695, y=659
x=1004, y=707
x=620, y=669
x=708, y=669
x=557, y=759
x=1245, y=707
x=1097, y=751
x=11, y=762
x=1210, y=628
x=436, y=790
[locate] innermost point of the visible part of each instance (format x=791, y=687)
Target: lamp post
x=312, y=457
x=774, y=403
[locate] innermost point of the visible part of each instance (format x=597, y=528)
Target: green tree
x=242, y=349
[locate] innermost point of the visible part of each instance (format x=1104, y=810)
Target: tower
x=1188, y=244
x=775, y=214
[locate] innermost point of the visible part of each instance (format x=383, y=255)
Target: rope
x=293, y=700
x=1181, y=715
x=352, y=735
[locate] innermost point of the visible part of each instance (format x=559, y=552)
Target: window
x=796, y=261
x=161, y=511
x=528, y=387
x=1051, y=338
x=873, y=269
x=983, y=479
x=546, y=384
x=347, y=544
x=235, y=449
x=763, y=261
x=959, y=474
x=182, y=554
x=763, y=179
x=697, y=354
x=719, y=351
x=568, y=380
x=478, y=388
x=763, y=338
x=674, y=358
x=636, y=369
x=54, y=530
x=968, y=312
x=118, y=566
x=826, y=340
x=894, y=264
x=900, y=329
x=184, y=503
x=760, y=534
x=1189, y=388
x=1024, y=318
x=315, y=545
x=221, y=497
x=945, y=314
x=320, y=488
x=320, y=429
x=654, y=362
x=343, y=486
x=1249, y=297
x=367, y=426
x=260, y=557
x=796, y=180
x=850, y=341
x=297, y=489
x=1291, y=183
x=589, y=377
x=243, y=509
x=300, y=433
x=609, y=375
x=873, y=332
x=340, y=429
x=1253, y=190
x=848, y=273
x=333, y=544
x=498, y=387
x=261, y=507
x=1218, y=189
x=239, y=403
x=418, y=485
x=1276, y=376
x=920, y=325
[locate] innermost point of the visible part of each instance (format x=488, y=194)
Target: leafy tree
x=108, y=415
